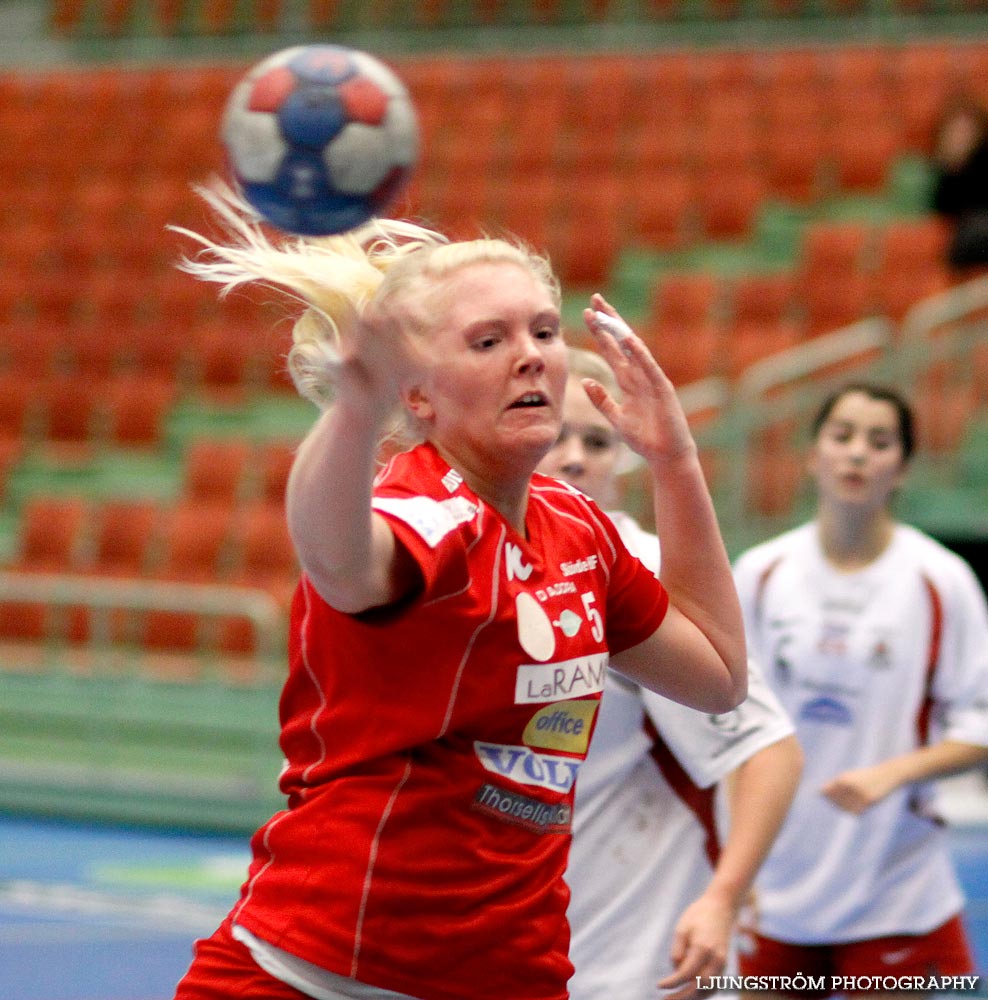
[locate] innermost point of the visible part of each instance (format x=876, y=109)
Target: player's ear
x=417, y=403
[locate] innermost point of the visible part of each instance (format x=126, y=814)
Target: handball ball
x=320, y=138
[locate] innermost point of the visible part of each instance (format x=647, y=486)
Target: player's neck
x=502, y=488
x=851, y=543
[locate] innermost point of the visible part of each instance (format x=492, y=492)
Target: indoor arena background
x=748, y=181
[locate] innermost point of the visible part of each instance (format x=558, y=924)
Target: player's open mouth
x=529, y=399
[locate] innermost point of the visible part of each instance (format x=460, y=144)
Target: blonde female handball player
x=453, y=623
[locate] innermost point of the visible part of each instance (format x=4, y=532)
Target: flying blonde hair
x=333, y=278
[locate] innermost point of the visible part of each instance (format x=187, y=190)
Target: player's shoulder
x=420, y=490
x=932, y=558
x=788, y=544
x=550, y=489
x=563, y=498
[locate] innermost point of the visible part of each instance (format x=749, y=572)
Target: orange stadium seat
x=728, y=201
x=274, y=461
x=224, y=357
x=835, y=246
x=749, y=342
x=662, y=209
x=863, y=155
x=586, y=240
x=195, y=538
x=264, y=558
x=72, y=410
x=20, y=402
x=762, y=298
x=687, y=300
x=215, y=471
x=686, y=354
x=51, y=531
x=911, y=264
x=834, y=300
x=794, y=155
x=49, y=536
x=138, y=405
x=864, y=69
x=793, y=70
x=727, y=72
x=125, y=535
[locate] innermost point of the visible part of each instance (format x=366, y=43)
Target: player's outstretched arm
x=760, y=792
x=858, y=790
x=349, y=553
x=698, y=654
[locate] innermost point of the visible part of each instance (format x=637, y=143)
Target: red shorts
x=223, y=968
x=942, y=952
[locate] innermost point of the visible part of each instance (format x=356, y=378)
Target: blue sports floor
x=90, y=913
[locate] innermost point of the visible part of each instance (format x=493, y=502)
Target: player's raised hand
x=364, y=361
x=649, y=417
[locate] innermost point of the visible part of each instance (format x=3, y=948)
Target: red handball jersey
x=432, y=748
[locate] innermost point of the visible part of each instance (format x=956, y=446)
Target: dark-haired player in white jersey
x=875, y=638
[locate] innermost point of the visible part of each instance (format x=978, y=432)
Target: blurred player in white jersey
x=875, y=638
x=653, y=895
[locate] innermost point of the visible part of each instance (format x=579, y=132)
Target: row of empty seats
x=845, y=272
x=224, y=17
x=659, y=149
x=188, y=543
x=226, y=525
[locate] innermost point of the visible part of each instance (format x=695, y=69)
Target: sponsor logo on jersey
x=880, y=657
x=727, y=723
x=535, y=634
x=526, y=767
x=568, y=623
x=452, y=481
x=833, y=638
x=576, y=678
x=585, y=565
x=827, y=710
x=565, y=726
x=514, y=565
x=540, y=817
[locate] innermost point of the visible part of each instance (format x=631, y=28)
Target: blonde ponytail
x=331, y=278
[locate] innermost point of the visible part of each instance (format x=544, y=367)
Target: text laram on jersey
x=541, y=682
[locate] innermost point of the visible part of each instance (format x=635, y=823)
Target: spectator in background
x=654, y=893
x=960, y=192
x=875, y=638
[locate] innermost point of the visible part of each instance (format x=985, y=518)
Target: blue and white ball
x=321, y=138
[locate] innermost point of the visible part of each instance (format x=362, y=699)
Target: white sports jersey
x=643, y=830
x=870, y=665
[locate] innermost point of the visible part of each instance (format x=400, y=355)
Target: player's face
x=493, y=391
x=587, y=450
x=857, y=457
